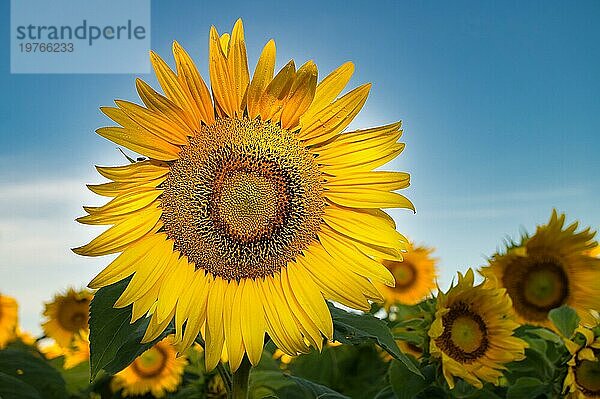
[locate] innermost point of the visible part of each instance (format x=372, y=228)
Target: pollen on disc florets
x=465, y=335
x=243, y=199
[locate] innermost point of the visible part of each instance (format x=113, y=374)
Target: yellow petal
x=385, y=181
x=360, y=197
x=220, y=80
x=126, y=263
x=135, y=172
x=362, y=226
x=334, y=118
x=311, y=299
x=214, y=322
x=144, y=143
x=173, y=89
x=186, y=121
x=180, y=275
x=155, y=123
x=329, y=88
x=155, y=328
x=121, y=235
x=114, y=189
x=188, y=76
x=128, y=202
x=253, y=321
x=263, y=74
x=237, y=63
x=150, y=270
x=308, y=327
x=364, y=162
x=224, y=40
x=232, y=323
x=143, y=304
x=301, y=95
x=191, y=297
x=360, y=263
x=280, y=324
x=197, y=309
x=274, y=97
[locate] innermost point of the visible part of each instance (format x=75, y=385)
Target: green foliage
x=351, y=328
x=22, y=370
x=565, y=319
x=114, y=341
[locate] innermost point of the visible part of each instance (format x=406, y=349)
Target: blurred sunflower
x=410, y=348
x=554, y=267
x=253, y=205
x=78, y=352
x=583, y=374
x=8, y=319
x=472, y=332
x=67, y=316
x=415, y=276
x=156, y=371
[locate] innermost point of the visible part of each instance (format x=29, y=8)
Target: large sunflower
x=253, y=205
x=67, y=316
x=8, y=319
x=553, y=267
x=472, y=332
x=156, y=371
x=415, y=276
x=583, y=374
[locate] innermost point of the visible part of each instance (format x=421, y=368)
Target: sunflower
x=78, y=352
x=415, y=276
x=8, y=319
x=67, y=316
x=583, y=373
x=156, y=371
x=554, y=267
x=472, y=332
x=252, y=207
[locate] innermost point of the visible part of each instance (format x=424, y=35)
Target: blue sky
x=499, y=102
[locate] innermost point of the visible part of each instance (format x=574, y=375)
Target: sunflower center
x=151, y=363
x=537, y=286
x=243, y=199
x=587, y=375
x=405, y=274
x=74, y=316
x=465, y=334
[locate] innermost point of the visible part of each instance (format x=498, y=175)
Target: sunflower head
x=253, y=206
x=583, y=373
x=551, y=268
x=472, y=332
x=8, y=319
x=156, y=372
x=67, y=316
x=415, y=276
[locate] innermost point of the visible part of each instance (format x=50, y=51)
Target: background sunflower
x=67, y=316
x=551, y=268
x=472, y=333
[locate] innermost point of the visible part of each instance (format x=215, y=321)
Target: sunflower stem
x=240, y=380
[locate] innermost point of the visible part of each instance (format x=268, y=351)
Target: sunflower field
x=255, y=258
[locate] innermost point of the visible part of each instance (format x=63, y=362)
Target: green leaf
x=317, y=390
x=386, y=393
x=114, y=341
x=405, y=383
x=526, y=387
x=13, y=388
x=351, y=328
x=565, y=319
x=32, y=371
